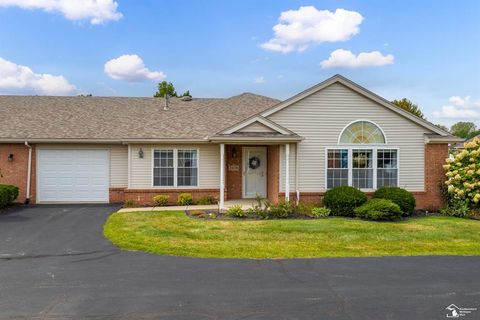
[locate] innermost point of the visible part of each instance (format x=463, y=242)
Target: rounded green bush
x=404, y=199
x=185, y=199
x=161, y=200
x=379, y=209
x=8, y=194
x=343, y=200
x=207, y=200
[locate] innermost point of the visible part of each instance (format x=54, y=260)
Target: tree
x=165, y=87
x=409, y=106
x=186, y=94
x=441, y=126
x=464, y=130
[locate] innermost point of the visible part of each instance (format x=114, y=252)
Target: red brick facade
x=233, y=171
x=145, y=196
x=435, y=155
x=15, y=172
x=273, y=172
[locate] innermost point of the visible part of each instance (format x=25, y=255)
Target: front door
x=254, y=172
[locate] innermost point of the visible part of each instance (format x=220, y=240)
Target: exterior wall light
x=140, y=153
x=234, y=152
x=10, y=157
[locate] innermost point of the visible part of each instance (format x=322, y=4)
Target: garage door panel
x=73, y=175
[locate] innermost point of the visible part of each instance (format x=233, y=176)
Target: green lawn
x=173, y=233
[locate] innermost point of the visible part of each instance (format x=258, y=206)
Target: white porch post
x=222, y=176
x=287, y=172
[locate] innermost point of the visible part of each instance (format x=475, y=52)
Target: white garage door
x=72, y=175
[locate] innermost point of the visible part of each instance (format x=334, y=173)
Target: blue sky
x=428, y=51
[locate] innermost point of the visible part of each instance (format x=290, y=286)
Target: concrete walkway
x=245, y=203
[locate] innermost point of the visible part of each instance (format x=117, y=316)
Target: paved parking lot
x=55, y=264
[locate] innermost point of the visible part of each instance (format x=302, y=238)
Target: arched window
x=362, y=132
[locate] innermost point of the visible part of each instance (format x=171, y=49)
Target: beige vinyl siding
x=141, y=170
x=256, y=127
x=118, y=159
x=118, y=166
x=320, y=118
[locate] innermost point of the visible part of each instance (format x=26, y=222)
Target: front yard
x=173, y=233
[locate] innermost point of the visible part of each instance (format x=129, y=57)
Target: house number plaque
x=233, y=167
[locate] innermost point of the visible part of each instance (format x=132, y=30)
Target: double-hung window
x=175, y=168
x=387, y=168
x=187, y=170
x=337, y=172
x=362, y=168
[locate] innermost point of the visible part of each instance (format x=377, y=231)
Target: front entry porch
x=249, y=170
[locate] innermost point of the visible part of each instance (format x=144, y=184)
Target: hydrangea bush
x=463, y=174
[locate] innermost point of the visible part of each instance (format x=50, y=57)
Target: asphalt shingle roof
x=123, y=118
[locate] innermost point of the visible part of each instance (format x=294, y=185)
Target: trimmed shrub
x=404, y=199
x=207, y=200
x=161, y=200
x=379, y=209
x=280, y=211
x=343, y=200
x=236, y=211
x=320, y=212
x=185, y=199
x=8, y=194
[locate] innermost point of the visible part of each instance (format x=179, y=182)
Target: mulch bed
x=216, y=215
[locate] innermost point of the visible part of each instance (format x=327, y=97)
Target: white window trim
x=364, y=120
x=374, y=149
x=175, y=167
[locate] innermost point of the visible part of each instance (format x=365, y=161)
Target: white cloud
x=16, y=78
x=259, y=80
x=299, y=29
x=459, y=108
x=97, y=11
x=130, y=67
x=280, y=76
x=346, y=59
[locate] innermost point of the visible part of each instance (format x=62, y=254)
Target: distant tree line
x=460, y=129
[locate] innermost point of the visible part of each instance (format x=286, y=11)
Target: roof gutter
x=105, y=141
x=443, y=139
x=29, y=172
x=255, y=139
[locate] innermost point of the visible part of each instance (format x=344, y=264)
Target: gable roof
x=361, y=90
x=115, y=119
x=275, y=127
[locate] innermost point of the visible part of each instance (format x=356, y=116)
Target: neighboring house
x=100, y=149
x=461, y=145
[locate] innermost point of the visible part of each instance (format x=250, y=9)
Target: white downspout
x=29, y=172
x=287, y=172
x=296, y=174
x=222, y=176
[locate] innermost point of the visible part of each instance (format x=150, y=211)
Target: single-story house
x=113, y=149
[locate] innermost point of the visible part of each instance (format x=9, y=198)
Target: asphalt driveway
x=55, y=264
